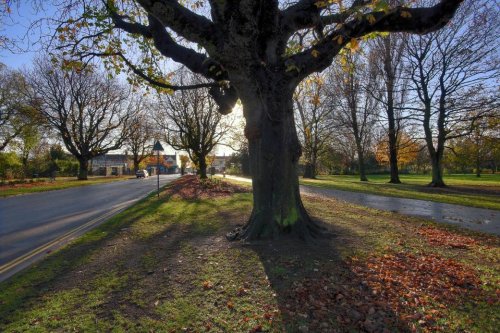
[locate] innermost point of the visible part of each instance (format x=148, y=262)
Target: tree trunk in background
x=202, y=166
x=393, y=158
x=361, y=165
x=83, y=170
x=389, y=54
x=478, y=166
x=310, y=171
x=437, y=172
x=274, y=154
x=361, y=155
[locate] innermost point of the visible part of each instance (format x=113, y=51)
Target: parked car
x=142, y=174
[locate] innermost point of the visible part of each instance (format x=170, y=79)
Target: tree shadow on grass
x=317, y=290
x=52, y=270
x=125, y=266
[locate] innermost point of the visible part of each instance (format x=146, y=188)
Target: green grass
x=59, y=184
x=467, y=190
x=165, y=266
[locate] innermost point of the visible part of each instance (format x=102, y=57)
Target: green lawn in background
x=59, y=184
x=467, y=190
x=164, y=265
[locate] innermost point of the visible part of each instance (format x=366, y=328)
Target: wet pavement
x=478, y=219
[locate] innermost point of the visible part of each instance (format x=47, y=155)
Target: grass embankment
x=467, y=190
x=165, y=266
x=59, y=184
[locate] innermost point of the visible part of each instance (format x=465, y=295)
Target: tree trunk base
x=436, y=184
x=394, y=181
x=258, y=228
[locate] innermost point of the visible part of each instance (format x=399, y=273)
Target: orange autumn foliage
x=407, y=151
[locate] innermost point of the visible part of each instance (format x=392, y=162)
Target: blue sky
x=16, y=27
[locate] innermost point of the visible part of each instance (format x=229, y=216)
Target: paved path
x=479, y=219
x=31, y=225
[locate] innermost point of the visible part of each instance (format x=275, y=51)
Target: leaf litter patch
x=418, y=287
x=439, y=237
x=192, y=187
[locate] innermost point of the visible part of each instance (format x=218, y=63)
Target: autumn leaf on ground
x=207, y=285
x=440, y=237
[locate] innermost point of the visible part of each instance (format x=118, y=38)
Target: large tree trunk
x=136, y=164
x=437, y=170
x=202, y=167
x=274, y=153
x=83, y=170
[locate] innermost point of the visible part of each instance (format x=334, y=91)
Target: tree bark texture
x=437, y=171
x=392, y=133
x=83, y=169
x=202, y=166
x=274, y=154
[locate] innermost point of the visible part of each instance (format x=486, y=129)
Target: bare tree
x=190, y=122
x=450, y=71
x=247, y=50
x=388, y=52
x=88, y=111
x=313, y=121
x=353, y=105
x=141, y=133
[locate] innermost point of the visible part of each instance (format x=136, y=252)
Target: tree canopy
x=257, y=51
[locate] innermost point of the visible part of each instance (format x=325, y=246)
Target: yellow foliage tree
x=407, y=150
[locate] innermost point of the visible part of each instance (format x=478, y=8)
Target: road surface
x=33, y=224
x=478, y=219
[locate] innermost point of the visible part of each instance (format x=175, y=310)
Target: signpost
x=157, y=148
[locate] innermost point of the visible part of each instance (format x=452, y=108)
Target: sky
x=16, y=26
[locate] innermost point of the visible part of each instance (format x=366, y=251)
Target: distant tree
x=388, y=56
x=10, y=165
x=451, y=72
x=88, y=111
x=28, y=140
x=140, y=135
x=353, y=105
x=16, y=115
x=313, y=118
x=477, y=150
x=184, y=162
x=190, y=122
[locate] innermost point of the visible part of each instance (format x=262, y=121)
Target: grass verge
x=165, y=266
x=58, y=184
x=467, y=190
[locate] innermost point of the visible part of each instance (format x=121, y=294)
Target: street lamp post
x=157, y=148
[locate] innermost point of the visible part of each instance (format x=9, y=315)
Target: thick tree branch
x=307, y=14
x=184, y=22
x=399, y=19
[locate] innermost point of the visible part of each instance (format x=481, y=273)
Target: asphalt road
x=34, y=224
